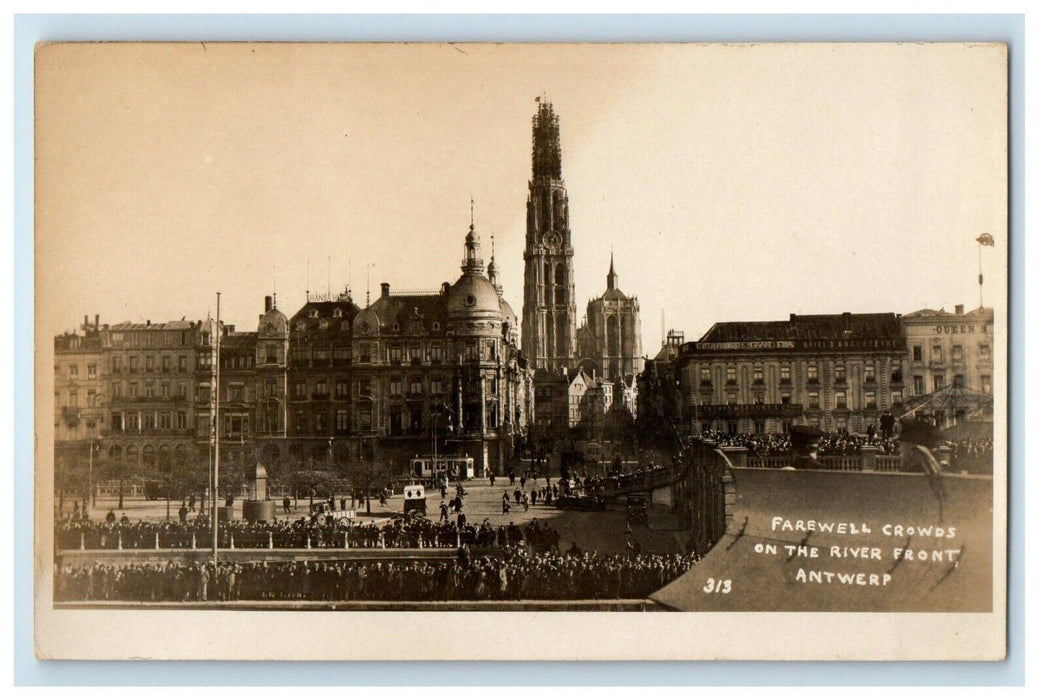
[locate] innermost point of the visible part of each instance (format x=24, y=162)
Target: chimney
x=384, y=289
x=791, y=318
x=444, y=288
x=268, y=304
x=97, y=318
x=148, y=323
x=959, y=308
x=228, y=328
x=85, y=322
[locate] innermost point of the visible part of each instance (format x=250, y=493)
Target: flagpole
x=980, y=276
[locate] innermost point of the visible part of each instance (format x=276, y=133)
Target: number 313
x=717, y=585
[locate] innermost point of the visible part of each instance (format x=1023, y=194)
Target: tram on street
x=435, y=468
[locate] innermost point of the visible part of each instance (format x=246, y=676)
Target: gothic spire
x=492, y=270
x=611, y=276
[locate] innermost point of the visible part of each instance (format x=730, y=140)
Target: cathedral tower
x=549, y=330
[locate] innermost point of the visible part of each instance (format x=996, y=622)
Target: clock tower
x=549, y=331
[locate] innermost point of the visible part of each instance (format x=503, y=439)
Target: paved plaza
x=601, y=531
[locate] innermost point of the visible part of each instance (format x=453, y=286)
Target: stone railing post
x=738, y=456
x=82, y=541
x=119, y=540
x=270, y=540
x=194, y=540
x=868, y=458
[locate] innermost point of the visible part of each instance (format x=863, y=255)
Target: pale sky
x=732, y=182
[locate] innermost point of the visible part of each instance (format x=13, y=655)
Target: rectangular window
x=132, y=363
x=365, y=353
x=148, y=421
x=203, y=393
x=959, y=381
x=395, y=387
x=321, y=389
x=896, y=398
x=166, y=363
x=117, y=365
x=236, y=392
x=116, y=390
x=813, y=400
x=471, y=352
x=985, y=351
x=92, y=371
x=74, y=398
x=938, y=382
x=731, y=375
x=341, y=389
x=786, y=373
x=786, y=399
x=917, y=353
x=299, y=389
x=757, y=374
x=132, y=390
x=363, y=387
x=415, y=385
x=165, y=421
x=395, y=354
x=131, y=421
x=436, y=352
x=811, y=374
x=365, y=421
x=706, y=375
x=149, y=363
x=936, y=354
x=181, y=421
x=91, y=398
x=436, y=385
x=150, y=390
x=342, y=418
x=840, y=399
x=986, y=383
x=869, y=373
x=183, y=363
x=165, y=390
x=840, y=373
x=956, y=352
x=869, y=399
x=415, y=354
x=321, y=422
x=182, y=389
x=918, y=385
x=74, y=371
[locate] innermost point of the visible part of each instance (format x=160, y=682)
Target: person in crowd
x=805, y=441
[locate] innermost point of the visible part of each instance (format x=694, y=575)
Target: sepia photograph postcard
x=521, y=351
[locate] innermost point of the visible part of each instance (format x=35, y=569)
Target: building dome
x=272, y=323
x=473, y=297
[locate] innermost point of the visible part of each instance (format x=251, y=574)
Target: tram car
x=414, y=499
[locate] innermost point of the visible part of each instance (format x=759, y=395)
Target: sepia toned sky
x=732, y=182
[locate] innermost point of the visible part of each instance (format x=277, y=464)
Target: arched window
x=561, y=283
x=116, y=454
x=149, y=456
x=132, y=455
x=164, y=455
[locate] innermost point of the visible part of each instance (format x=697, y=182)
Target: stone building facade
x=610, y=339
x=946, y=349
x=835, y=372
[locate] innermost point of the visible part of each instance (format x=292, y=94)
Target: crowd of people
x=779, y=444
x=518, y=575
x=973, y=454
x=408, y=532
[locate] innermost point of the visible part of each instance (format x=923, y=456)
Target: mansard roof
x=843, y=326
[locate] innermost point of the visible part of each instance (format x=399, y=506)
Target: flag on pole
x=986, y=239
